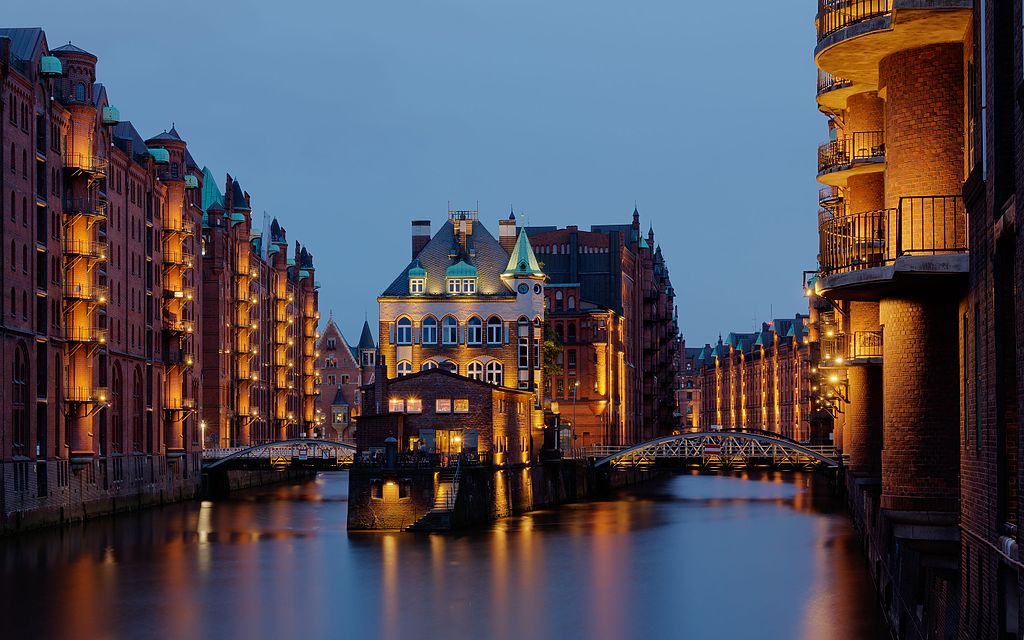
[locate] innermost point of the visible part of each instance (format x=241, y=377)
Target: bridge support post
x=863, y=429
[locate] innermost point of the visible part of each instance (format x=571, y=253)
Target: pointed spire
x=366, y=337
x=511, y=213
x=523, y=263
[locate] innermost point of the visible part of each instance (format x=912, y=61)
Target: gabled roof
x=484, y=253
x=523, y=263
x=23, y=41
x=238, y=197
x=125, y=130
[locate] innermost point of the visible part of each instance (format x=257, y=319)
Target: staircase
x=440, y=517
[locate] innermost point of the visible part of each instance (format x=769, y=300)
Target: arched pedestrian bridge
x=721, y=448
x=297, y=452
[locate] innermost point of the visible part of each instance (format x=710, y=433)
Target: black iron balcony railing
x=85, y=291
x=829, y=197
x=834, y=347
x=92, y=335
x=85, y=162
x=85, y=249
x=178, y=258
x=834, y=15
x=89, y=207
x=920, y=225
x=860, y=146
x=867, y=344
x=828, y=82
x=183, y=225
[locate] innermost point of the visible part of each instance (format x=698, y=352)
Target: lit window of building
x=428, y=330
x=443, y=405
x=396, y=405
x=495, y=373
x=450, y=331
x=475, y=370
x=414, y=405
x=474, y=331
x=461, y=405
x=403, y=332
x=404, y=368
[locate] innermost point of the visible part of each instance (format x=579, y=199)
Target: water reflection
x=754, y=555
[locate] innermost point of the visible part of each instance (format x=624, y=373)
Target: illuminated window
x=404, y=368
x=469, y=285
x=495, y=373
x=443, y=405
x=450, y=331
x=429, y=330
x=454, y=285
x=428, y=365
x=462, y=405
x=403, y=334
x=475, y=370
x=475, y=331
x=416, y=285
x=396, y=405
x=414, y=405
x=494, y=330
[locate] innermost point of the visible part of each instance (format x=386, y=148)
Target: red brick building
x=762, y=380
x=341, y=376
x=437, y=412
x=110, y=345
x=610, y=305
x=260, y=317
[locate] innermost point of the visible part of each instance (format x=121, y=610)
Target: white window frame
x=475, y=331
x=475, y=370
x=450, y=328
x=469, y=285
x=403, y=332
x=424, y=327
x=495, y=331
x=417, y=285
x=404, y=368
x=454, y=286
x=494, y=373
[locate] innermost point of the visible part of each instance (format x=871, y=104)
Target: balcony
x=179, y=404
x=838, y=349
x=867, y=345
x=86, y=292
x=86, y=163
x=86, y=395
x=177, y=326
x=832, y=91
x=87, y=335
x=88, y=207
x=836, y=15
x=182, y=226
x=85, y=249
x=860, y=152
x=178, y=293
x=178, y=259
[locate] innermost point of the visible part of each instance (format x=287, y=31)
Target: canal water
x=760, y=555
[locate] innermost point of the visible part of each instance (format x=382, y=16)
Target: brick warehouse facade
x=341, y=375
x=763, y=380
x=925, y=124
x=101, y=301
x=611, y=306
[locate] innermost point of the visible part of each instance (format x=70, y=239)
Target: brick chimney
x=420, y=235
x=507, y=233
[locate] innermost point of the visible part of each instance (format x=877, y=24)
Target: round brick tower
x=924, y=147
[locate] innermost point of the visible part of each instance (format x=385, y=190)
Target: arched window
x=450, y=330
x=495, y=373
x=428, y=365
x=450, y=366
x=475, y=370
x=475, y=331
x=572, y=303
x=80, y=92
x=404, y=368
x=403, y=335
x=19, y=401
x=494, y=330
x=571, y=331
x=116, y=409
x=138, y=411
x=558, y=301
x=429, y=330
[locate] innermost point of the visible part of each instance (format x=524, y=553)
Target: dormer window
x=454, y=285
x=469, y=285
x=417, y=285
x=461, y=278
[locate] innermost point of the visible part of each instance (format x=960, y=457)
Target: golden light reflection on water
x=277, y=563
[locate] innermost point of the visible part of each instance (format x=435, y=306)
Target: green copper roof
x=111, y=115
x=643, y=243
x=417, y=270
x=191, y=182
x=237, y=217
x=303, y=273
x=460, y=269
x=160, y=155
x=50, y=66
x=523, y=263
x=211, y=194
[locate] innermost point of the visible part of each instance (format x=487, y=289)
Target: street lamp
x=202, y=432
x=572, y=428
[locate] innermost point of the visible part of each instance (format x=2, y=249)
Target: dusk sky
x=347, y=120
